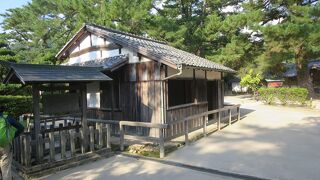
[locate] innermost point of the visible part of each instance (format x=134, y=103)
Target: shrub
x=14, y=89
x=267, y=95
x=17, y=105
x=251, y=81
x=284, y=95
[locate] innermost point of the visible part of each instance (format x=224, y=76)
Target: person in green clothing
x=6, y=152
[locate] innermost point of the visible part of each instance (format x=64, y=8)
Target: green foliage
x=16, y=105
x=251, y=80
x=294, y=38
x=14, y=89
x=40, y=28
x=284, y=95
x=6, y=54
x=244, y=38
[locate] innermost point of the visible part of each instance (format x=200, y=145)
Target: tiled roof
x=157, y=49
x=110, y=63
x=151, y=48
x=291, y=70
x=32, y=73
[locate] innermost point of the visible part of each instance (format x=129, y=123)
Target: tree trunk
x=303, y=76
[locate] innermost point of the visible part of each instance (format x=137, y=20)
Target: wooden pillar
x=84, y=123
x=36, y=113
x=219, y=121
x=186, y=132
x=108, y=136
x=112, y=99
x=229, y=112
x=204, y=119
x=161, y=143
x=121, y=137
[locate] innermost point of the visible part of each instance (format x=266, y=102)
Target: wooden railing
x=177, y=113
x=205, y=119
x=159, y=139
x=66, y=141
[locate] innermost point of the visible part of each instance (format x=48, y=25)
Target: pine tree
x=6, y=54
x=295, y=37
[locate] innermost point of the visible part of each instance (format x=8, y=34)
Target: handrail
x=211, y=112
x=143, y=124
x=205, y=114
x=103, y=121
x=204, y=117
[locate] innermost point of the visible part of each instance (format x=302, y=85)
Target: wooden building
x=152, y=81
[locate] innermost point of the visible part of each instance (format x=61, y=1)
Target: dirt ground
x=273, y=142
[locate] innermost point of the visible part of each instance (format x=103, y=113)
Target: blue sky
x=7, y=4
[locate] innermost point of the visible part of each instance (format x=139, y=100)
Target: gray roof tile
x=157, y=49
x=109, y=63
x=29, y=73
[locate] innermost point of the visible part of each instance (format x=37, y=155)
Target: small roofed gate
x=57, y=132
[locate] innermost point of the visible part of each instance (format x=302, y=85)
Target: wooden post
x=238, y=111
x=28, y=124
x=21, y=144
x=121, y=137
x=84, y=123
x=219, y=119
x=72, y=143
x=161, y=143
x=204, y=125
x=27, y=147
x=91, y=130
x=52, y=146
x=186, y=132
x=63, y=141
x=108, y=136
x=83, y=149
x=229, y=111
x=40, y=146
x=36, y=113
x=99, y=126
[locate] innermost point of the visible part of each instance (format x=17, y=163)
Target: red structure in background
x=274, y=83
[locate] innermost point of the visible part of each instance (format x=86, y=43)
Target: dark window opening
x=180, y=92
x=106, y=94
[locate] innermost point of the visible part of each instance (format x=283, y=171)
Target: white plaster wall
x=97, y=41
x=200, y=74
x=85, y=57
x=133, y=56
x=110, y=53
x=213, y=75
x=145, y=59
x=186, y=73
x=85, y=43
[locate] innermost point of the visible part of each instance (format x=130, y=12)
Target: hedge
x=284, y=95
x=17, y=105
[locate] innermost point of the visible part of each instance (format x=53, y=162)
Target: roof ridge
x=126, y=33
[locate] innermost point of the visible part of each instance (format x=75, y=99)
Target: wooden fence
x=60, y=137
x=58, y=142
